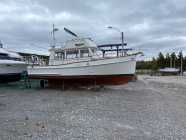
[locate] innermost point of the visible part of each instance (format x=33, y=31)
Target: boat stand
x=26, y=80
x=43, y=83
x=63, y=85
x=95, y=86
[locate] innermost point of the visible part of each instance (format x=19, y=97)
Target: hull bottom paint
x=86, y=80
x=6, y=78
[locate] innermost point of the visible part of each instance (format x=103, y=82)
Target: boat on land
x=169, y=71
x=11, y=66
x=78, y=62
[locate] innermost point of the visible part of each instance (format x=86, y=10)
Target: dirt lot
x=151, y=108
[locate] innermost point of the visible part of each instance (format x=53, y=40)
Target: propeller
x=70, y=32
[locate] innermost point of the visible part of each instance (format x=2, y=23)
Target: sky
x=150, y=26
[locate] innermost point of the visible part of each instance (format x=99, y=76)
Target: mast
x=53, y=35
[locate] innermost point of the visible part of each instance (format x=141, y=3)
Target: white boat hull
x=117, y=70
x=11, y=71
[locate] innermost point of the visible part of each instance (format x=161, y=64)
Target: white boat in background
x=11, y=66
x=77, y=62
x=184, y=73
x=169, y=71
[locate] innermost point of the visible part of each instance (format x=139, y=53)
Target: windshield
x=4, y=56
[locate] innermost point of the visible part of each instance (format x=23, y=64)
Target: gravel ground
x=152, y=108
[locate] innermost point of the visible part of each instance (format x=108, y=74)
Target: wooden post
x=63, y=85
x=95, y=84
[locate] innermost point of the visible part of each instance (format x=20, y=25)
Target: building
x=35, y=59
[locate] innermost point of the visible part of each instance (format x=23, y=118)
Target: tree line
x=162, y=61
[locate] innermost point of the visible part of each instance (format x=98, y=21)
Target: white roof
x=80, y=43
x=3, y=51
x=10, y=53
x=14, y=55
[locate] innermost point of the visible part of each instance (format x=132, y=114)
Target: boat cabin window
x=59, y=55
x=84, y=53
x=16, y=59
x=3, y=56
x=93, y=50
x=71, y=54
x=79, y=44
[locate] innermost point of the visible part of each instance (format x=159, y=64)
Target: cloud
x=150, y=26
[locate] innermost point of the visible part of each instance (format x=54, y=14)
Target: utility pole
x=122, y=38
x=122, y=43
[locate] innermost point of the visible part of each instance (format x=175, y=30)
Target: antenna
x=70, y=32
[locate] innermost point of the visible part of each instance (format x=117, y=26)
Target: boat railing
x=79, y=60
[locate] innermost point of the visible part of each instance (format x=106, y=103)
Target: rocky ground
x=151, y=108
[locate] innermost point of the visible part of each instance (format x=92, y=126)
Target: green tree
x=161, y=61
x=154, y=64
x=167, y=60
x=184, y=63
x=173, y=59
x=178, y=62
